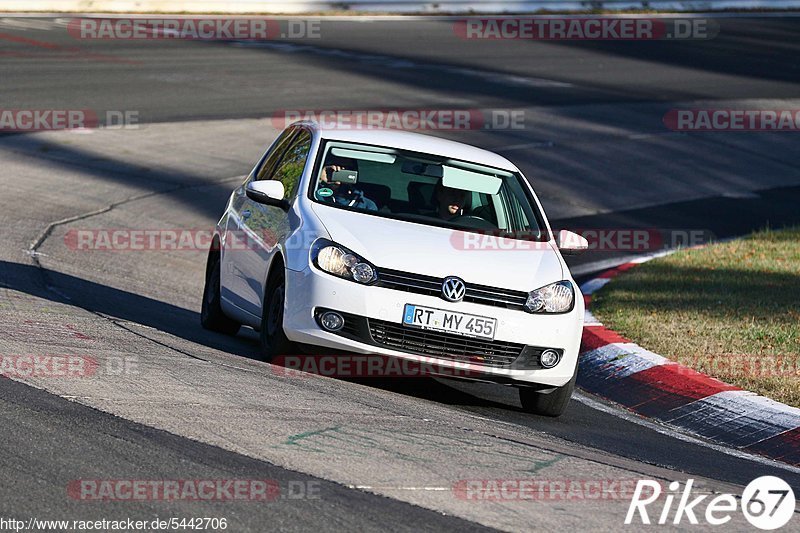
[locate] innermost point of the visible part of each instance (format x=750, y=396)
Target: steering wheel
x=472, y=221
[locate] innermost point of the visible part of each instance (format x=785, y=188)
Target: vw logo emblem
x=453, y=289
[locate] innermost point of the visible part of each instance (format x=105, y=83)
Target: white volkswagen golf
x=404, y=245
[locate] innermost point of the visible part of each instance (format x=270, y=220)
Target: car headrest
x=420, y=194
x=380, y=194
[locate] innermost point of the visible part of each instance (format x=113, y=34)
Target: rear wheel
x=211, y=315
x=273, y=339
x=552, y=403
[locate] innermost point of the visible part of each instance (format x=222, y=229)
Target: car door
x=268, y=225
x=237, y=288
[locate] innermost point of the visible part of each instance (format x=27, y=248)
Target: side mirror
x=269, y=192
x=571, y=243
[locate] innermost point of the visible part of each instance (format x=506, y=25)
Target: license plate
x=440, y=320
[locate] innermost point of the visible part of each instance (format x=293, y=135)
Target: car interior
x=407, y=187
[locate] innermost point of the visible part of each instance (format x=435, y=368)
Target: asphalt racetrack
x=173, y=401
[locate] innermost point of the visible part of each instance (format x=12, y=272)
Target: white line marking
x=511, y=79
x=626, y=359
x=594, y=285
x=754, y=418
x=22, y=24
x=538, y=144
x=379, y=487
x=590, y=320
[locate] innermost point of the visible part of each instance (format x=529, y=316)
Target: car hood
x=441, y=252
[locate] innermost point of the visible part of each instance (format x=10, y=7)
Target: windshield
x=426, y=189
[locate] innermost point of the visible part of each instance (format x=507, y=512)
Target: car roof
x=415, y=142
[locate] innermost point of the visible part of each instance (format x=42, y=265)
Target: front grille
x=432, y=286
x=417, y=341
x=445, y=345
x=351, y=327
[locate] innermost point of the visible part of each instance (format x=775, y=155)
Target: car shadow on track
x=185, y=324
x=119, y=304
x=431, y=389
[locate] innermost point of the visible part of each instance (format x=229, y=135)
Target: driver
x=344, y=193
x=451, y=201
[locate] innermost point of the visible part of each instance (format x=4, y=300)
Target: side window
x=274, y=155
x=290, y=169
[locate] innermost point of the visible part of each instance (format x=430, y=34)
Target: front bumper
x=310, y=289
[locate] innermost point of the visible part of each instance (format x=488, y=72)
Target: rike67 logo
x=767, y=502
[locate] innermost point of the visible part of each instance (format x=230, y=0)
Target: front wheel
x=553, y=403
x=273, y=340
x=211, y=315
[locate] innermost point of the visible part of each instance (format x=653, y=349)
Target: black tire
x=552, y=403
x=273, y=339
x=211, y=315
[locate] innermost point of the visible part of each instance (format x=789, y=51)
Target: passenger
x=450, y=201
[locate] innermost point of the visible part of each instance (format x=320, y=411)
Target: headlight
x=557, y=297
x=339, y=261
